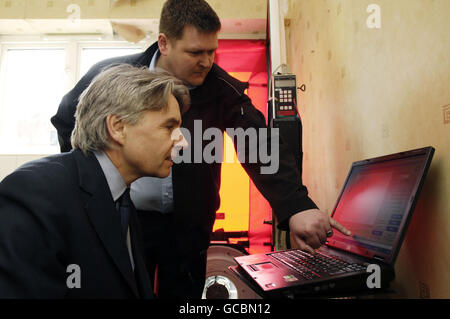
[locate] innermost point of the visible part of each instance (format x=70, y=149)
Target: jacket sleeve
x=30, y=243
x=280, y=184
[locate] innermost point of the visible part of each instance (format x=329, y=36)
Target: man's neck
x=162, y=63
x=118, y=161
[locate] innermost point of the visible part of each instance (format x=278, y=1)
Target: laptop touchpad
x=263, y=266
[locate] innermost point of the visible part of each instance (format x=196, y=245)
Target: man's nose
x=206, y=60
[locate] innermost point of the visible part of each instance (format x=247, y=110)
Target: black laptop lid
x=377, y=201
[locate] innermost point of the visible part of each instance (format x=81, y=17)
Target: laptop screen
x=375, y=203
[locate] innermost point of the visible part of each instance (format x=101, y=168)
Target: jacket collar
x=102, y=213
x=145, y=58
x=215, y=86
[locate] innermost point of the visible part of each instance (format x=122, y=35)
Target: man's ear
x=163, y=44
x=115, y=127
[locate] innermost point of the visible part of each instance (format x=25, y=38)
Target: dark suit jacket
x=58, y=211
x=219, y=102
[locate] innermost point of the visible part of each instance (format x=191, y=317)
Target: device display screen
x=374, y=203
x=285, y=83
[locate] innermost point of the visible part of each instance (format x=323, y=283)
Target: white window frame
x=73, y=45
x=101, y=44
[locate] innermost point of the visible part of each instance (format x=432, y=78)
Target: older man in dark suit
x=67, y=226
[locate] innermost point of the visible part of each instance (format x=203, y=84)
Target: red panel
x=250, y=56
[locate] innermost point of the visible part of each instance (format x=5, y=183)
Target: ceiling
x=240, y=19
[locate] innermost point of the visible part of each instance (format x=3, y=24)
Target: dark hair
x=177, y=14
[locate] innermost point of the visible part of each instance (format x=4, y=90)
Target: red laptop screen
x=374, y=205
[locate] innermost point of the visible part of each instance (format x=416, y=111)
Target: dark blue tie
x=125, y=206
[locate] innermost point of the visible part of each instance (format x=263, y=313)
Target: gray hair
x=126, y=91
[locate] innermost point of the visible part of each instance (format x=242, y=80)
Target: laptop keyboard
x=312, y=266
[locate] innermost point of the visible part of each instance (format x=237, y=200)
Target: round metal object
x=221, y=283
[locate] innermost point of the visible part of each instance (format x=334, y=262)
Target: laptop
x=376, y=204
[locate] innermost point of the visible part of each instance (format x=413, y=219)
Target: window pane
x=31, y=89
x=90, y=56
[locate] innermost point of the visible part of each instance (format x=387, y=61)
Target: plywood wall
x=378, y=86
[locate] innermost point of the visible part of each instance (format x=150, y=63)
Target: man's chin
x=164, y=171
x=163, y=174
x=196, y=81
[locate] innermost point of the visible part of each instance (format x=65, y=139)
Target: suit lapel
x=103, y=215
